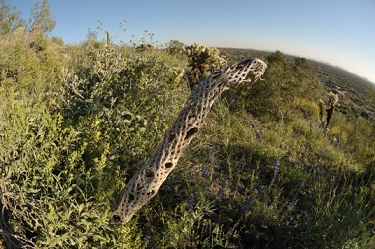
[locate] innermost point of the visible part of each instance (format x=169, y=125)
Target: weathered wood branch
x=146, y=183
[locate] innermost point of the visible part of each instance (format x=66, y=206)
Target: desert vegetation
x=77, y=121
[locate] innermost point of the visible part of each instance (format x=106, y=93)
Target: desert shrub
x=125, y=99
x=49, y=197
x=28, y=70
x=67, y=150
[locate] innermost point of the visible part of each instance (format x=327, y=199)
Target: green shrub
x=125, y=99
x=49, y=196
x=28, y=70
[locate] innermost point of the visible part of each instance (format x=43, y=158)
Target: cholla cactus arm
x=333, y=102
x=203, y=58
x=333, y=99
x=146, y=183
x=322, y=109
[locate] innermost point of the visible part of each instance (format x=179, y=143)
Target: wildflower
x=294, y=204
x=246, y=205
x=211, y=160
x=205, y=172
x=277, y=167
x=302, y=185
x=280, y=178
x=191, y=201
x=221, y=193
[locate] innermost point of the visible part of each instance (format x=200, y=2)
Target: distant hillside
x=352, y=89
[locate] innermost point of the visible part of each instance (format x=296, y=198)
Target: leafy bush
x=49, y=198
x=63, y=165
x=121, y=98
x=28, y=70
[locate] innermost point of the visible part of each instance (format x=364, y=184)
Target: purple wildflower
x=294, y=204
x=302, y=185
x=246, y=205
x=191, y=201
x=205, y=172
x=277, y=167
x=221, y=193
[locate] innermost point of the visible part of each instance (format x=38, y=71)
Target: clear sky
x=340, y=32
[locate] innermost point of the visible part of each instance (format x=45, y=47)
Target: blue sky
x=341, y=32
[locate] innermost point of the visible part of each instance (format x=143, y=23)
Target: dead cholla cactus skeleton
x=146, y=183
x=333, y=102
x=203, y=58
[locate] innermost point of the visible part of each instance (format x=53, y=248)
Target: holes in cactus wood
x=149, y=174
x=171, y=135
x=192, y=118
x=116, y=218
x=191, y=132
x=168, y=165
x=139, y=185
x=190, y=102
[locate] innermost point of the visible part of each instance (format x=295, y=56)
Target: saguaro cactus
x=109, y=43
x=146, y=183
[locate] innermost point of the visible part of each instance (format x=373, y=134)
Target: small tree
x=175, y=46
x=9, y=19
x=41, y=17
